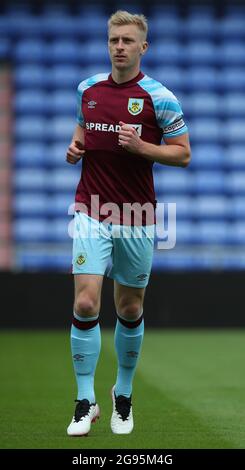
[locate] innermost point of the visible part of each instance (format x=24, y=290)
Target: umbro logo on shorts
x=141, y=277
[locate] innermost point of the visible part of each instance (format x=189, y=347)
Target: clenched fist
x=75, y=152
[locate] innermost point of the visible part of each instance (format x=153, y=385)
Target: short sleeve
x=170, y=116
x=168, y=112
x=80, y=117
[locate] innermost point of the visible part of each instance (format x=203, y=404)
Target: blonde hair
x=121, y=18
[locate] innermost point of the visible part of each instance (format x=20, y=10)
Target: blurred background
x=197, y=49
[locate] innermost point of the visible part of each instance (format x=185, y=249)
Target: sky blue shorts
x=123, y=252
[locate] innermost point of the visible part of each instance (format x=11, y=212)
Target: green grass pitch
x=189, y=391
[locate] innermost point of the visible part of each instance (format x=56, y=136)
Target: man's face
x=126, y=45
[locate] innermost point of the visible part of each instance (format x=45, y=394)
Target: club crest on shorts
x=81, y=259
x=135, y=106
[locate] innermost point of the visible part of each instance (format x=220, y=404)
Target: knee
x=86, y=306
x=130, y=310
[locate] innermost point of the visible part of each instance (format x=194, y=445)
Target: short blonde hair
x=122, y=17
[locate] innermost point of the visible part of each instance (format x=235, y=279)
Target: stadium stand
x=199, y=55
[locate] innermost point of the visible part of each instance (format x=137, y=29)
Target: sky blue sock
x=128, y=341
x=85, y=346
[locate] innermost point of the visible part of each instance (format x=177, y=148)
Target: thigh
x=132, y=258
x=92, y=246
x=90, y=284
x=125, y=297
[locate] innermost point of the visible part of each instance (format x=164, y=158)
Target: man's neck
x=122, y=76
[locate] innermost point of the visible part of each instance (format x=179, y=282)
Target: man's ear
x=144, y=48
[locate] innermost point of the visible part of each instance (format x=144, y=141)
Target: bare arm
x=176, y=152
x=76, y=149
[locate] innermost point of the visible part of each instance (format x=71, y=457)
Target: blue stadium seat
x=27, y=204
x=24, y=25
x=14, y=8
x=231, y=53
x=5, y=26
x=237, y=233
x=32, y=154
x=63, y=180
x=30, y=179
x=64, y=51
x=59, y=203
x=33, y=101
x=62, y=261
x=65, y=76
x=184, y=204
x=63, y=102
x=36, y=101
x=162, y=9
x=202, y=78
x=238, y=207
x=91, y=70
x=234, y=104
x=55, y=9
x=90, y=24
x=164, y=53
x=33, y=260
x=172, y=181
x=56, y=153
x=95, y=9
x=200, y=53
x=30, y=128
x=235, y=182
x=235, y=131
x=31, y=51
x=172, y=25
x=185, y=232
x=211, y=182
x=212, y=232
x=177, y=260
x=204, y=10
x=199, y=26
x=234, y=10
x=204, y=104
x=5, y=47
x=61, y=26
x=234, y=157
x=232, y=27
x=201, y=59
x=212, y=207
x=232, y=78
x=59, y=229
x=171, y=76
x=206, y=129
x=95, y=51
x=31, y=230
x=208, y=156
x=30, y=76
x=61, y=128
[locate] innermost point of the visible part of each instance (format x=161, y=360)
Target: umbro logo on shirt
x=91, y=104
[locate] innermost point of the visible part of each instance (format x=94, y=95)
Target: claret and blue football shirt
x=108, y=170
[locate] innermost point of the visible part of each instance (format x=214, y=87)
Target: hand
x=75, y=152
x=129, y=139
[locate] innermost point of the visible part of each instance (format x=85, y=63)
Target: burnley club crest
x=135, y=105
